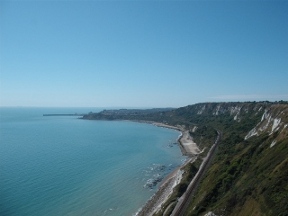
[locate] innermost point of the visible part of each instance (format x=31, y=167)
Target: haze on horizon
x=142, y=53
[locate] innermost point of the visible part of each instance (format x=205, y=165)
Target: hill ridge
x=249, y=174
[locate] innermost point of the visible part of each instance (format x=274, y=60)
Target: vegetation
x=189, y=171
x=246, y=176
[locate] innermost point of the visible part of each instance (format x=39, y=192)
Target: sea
x=63, y=165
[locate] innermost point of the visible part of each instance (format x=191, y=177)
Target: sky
x=142, y=53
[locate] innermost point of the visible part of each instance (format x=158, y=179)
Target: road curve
x=183, y=201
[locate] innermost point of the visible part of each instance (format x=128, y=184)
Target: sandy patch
x=188, y=144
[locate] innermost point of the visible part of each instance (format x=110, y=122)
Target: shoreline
x=186, y=143
x=188, y=148
x=161, y=195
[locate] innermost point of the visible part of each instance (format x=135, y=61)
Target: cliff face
x=249, y=173
x=274, y=120
x=274, y=117
x=237, y=110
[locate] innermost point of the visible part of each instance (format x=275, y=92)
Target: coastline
x=161, y=195
x=187, y=145
x=189, y=148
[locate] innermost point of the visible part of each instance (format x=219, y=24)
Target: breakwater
x=59, y=114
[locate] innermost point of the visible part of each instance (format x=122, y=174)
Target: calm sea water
x=67, y=166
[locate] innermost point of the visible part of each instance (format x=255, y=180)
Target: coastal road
x=183, y=201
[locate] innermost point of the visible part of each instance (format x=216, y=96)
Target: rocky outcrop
x=274, y=120
x=210, y=214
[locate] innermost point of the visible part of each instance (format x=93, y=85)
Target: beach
x=187, y=145
x=189, y=148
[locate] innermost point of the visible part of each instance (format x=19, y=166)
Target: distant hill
x=126, y=114
x=249, y=173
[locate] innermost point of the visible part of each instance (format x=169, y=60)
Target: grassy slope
x=246, y=177
x=252, y=181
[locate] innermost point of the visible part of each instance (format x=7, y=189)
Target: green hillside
x=249, y=171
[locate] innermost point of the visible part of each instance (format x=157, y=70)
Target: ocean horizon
x=63, y=165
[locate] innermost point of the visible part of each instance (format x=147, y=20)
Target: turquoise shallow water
x=67, y=166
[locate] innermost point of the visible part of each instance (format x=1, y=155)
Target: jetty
x=59, y=114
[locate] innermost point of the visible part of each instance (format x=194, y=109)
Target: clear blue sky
x=142, y=53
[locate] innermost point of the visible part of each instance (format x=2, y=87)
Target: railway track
x=183, y=201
